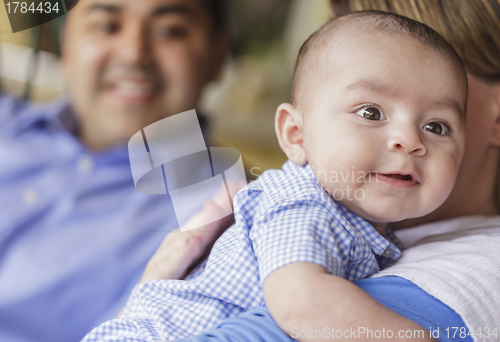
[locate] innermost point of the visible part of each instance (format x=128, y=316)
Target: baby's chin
x=377, y=220
x=378, y=214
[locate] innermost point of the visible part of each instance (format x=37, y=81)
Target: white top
x=456, y=261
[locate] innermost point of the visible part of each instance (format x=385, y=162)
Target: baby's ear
x=289, y=129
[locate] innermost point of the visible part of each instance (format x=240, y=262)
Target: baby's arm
x=306, y=297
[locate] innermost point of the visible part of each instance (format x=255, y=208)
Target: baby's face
x=384, y=129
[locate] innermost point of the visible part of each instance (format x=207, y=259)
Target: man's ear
x=289, y=129
x=495, y=128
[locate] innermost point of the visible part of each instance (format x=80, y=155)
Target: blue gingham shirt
x=282, y=218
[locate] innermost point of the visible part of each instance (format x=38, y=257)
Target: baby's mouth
x=398, y=176
x=396, y=179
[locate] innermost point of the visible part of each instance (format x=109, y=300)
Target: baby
x=374, y=134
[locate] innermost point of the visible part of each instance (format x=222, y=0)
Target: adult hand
x=180, y=251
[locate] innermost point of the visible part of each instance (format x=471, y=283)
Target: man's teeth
x=132, y=89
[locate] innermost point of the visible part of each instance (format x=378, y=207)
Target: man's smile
x=133, y=92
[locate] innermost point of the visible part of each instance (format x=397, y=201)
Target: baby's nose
x=406, y=139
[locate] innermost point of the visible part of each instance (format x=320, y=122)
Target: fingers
x=214, y=209
x=183, y=248
x=175, y=256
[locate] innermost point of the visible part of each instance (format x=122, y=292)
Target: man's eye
x=371, y=113
x=437, y=128
x=108, y=27
x=172, y=32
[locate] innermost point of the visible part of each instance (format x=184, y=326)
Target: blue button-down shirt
x=283, y=217
x=75, y=234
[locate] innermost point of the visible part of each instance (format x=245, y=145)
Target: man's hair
x=70, y=4
x=216, y=11
x=377, y=21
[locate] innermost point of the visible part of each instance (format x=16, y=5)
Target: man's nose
x=405, y=137
x=135, y=46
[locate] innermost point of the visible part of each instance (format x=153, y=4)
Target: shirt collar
x=304, y=170
x=389, y=235
x=58, y=116
x=55, y=114
x=379, y=246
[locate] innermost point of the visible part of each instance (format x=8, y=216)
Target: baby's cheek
x=452, y=157
x=441, y=179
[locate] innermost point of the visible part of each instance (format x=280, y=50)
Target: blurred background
x=266, y=36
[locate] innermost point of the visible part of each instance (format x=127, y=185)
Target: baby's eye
x=437, y=128
x=371, y=113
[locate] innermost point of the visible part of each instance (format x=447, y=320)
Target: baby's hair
x=312, y=51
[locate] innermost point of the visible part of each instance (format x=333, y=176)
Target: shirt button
x=85, y=165
x=388, y=253
x=30, y=196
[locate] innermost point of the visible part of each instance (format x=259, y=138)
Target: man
x=75, y=234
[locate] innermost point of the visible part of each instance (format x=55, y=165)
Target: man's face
x=129, y=63
x=383, y=130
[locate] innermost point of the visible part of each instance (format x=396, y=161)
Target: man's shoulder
x=17, y=114
x=11, y=107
